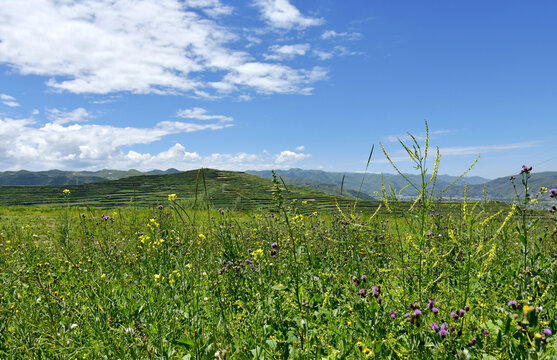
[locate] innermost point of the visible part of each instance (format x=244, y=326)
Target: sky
x=273, y=84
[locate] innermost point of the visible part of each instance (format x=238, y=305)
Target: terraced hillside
x=227, y=189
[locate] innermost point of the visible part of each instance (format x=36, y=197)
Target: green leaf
x=279, y=287
x=187, y=342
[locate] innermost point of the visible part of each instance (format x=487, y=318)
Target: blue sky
x=262, y=84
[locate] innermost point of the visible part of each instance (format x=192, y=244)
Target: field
x=188, y=281
x=238, y=267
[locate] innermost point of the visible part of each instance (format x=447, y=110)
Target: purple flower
x=547, y=332
x=417, y=312
x=274, y=245
x=362, y=292
x=513, y=304
x=553, y=193
x=443, y=332
x=526, y=169
x=462, y=312
x=429, y=233
x=434, y=327
x=393, y=314
x=407, y=315
x=364, y=277
x=379, y=300
x=486, y=332
x=472, y=341
x=161, y=206
x=454, y=316
x=434, y=310
x=377, y=291
x=430, y=303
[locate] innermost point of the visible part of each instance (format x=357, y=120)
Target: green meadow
x=219, y=265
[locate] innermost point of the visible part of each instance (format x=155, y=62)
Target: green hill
x=227, y=189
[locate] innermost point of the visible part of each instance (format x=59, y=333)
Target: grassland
x=221, y=265
x=285, y=282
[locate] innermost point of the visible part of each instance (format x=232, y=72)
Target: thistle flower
x=434, y=310
x=377, y=291
x=393, y=314
x=513, y=304
x=417, y=312
x=547, y=332
x=362, y=292
x=454, y=316
x=553, y=193
x=364, y=277
x=434, y=327
x=526, y=169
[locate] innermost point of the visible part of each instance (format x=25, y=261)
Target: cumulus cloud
x=8, y=100
x=26, y=144
x=289, y=157
x=63, y=117
x=286, y=51
x=201, y=114
x=161, y=46
x=283, y=15
x=55, y=145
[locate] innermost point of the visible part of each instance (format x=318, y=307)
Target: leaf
x=186, y=342
x=279, y=287
x=272, y=344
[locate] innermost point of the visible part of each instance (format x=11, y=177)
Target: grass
x=186, y=280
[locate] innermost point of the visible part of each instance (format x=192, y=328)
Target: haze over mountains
x=328, y=182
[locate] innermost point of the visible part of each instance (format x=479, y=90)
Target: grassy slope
x=225, y=189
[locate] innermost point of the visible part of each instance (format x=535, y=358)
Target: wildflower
x=513, y=304
x=377, y=291
x=462, y=312
x=201, y=236
x=454, y=316
x=443, y=332
x=547, y=332
x=472, y=341
x=434, y=327
x=172, y=197
x=364, y=277
x=274, y=245
x=362, y=292
x=417, y=312
x=486, y=332
x=379, y=300
x=161, y=206
x=393, y=314
x=430, y=303
x=434, y=310
x=526, y=169
x=67, y=192
x=553, y=193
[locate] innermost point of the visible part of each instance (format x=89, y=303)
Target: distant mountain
x=502, y=188
x=59, y=177
x=497, y=189
x=353, y=181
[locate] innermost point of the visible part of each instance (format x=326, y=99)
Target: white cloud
x=161, y=46
x=35, y=112
x=281, y=14
x=8, y=100
x=201, y=114
x=300, y=148
x=331, y=34
x=286, y=51
x=402, y=156
x=323, y=55
x=76, y=146
x=268, y=78
x=213, y=8
x=289, y=157
x=63, y=117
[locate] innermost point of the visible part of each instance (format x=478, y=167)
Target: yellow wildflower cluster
x=172, y=197
x=67, y=192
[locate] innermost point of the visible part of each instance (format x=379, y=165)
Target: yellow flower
x=172, y=197
x=202, y=237
x=66, y=192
